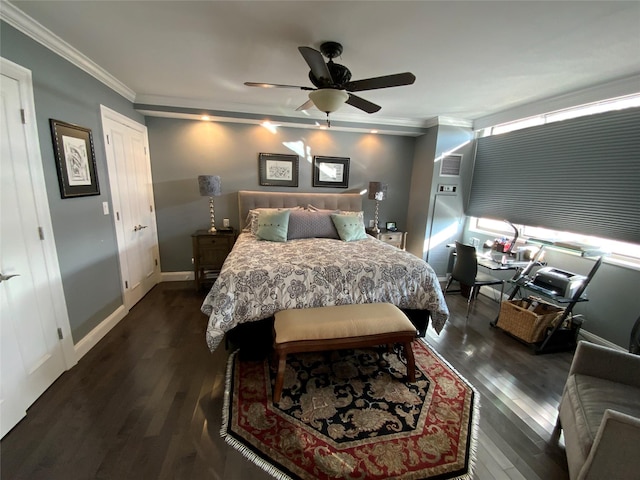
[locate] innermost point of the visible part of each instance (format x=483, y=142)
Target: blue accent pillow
x=273, y=226
x=350, y=227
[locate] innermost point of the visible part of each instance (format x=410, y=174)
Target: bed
x=261, y=277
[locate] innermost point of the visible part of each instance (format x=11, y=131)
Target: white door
x=133, y=206
x=32, y=320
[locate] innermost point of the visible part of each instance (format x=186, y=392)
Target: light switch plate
x=105, y=208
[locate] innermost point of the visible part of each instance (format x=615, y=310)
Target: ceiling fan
x=333, y=83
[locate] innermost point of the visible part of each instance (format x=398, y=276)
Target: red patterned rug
x=350, y=415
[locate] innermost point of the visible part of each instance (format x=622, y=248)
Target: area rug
x=350, y=415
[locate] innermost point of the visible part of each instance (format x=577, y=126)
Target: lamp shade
x=210, y=185
x=328, y=99
x=377, y=191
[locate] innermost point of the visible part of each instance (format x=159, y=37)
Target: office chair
x=465, y=272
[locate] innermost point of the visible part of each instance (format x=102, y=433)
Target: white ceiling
x=471, y=59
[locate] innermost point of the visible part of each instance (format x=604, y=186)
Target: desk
x=494, y=260
x=499, y=261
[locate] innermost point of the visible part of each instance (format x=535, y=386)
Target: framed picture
x=75, y=159
x=391, y=226
x=330, y=172
x=278, y=170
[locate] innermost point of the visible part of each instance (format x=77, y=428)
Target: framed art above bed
x=278, y=170
x=330, y=172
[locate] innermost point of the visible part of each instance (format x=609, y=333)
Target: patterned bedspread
x=260, y=278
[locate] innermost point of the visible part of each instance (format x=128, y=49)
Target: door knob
x=7, y=277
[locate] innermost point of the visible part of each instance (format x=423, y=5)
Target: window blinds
x=580, y=175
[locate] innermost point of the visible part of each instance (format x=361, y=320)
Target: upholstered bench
x=340, y=327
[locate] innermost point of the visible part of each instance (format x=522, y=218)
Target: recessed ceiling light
x=206, y=118
x=374, y=131
x=273, y=128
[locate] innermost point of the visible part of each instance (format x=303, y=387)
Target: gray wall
x=183, y=149
x=426, y=177
x=85, y=238
x=420, y=193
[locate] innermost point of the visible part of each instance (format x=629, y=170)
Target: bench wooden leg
x=282, y=363
x=411, y=362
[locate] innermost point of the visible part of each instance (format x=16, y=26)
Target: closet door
x=133, y=206
x=33, y=320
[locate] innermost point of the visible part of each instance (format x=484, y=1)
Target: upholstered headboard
x=248, y=200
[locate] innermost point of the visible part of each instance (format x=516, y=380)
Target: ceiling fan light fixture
x=328, y=99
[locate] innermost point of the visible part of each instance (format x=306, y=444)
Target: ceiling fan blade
x=387, y=81
x=275, y=85
x=363, y=104
x=305, y=106
x=316, y=63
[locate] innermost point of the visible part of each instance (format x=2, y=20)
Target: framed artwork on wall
x=330, y=172
x=75, y=159
x=277, y=170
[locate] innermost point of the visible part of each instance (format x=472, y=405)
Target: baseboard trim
x=593, y=338
x=95, y=335
x=176, y=276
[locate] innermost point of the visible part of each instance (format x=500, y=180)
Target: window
x=620, y=103
x=622, y=253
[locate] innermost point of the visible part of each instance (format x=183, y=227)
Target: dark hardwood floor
x=146, y=402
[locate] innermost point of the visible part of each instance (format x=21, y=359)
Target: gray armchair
x=600, y=414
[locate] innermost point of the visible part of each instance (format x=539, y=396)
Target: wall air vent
x=450, y=166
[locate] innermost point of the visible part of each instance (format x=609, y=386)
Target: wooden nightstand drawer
x=397, y=239
x=210, y=250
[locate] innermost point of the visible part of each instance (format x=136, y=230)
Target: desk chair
x=465, y=272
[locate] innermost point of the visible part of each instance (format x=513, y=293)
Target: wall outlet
x=225, y=222
x=370, y=223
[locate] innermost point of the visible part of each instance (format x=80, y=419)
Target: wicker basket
x=528, y=325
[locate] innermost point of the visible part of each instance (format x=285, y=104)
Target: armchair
x=599, y=414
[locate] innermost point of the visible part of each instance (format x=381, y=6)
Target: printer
x=560, y=282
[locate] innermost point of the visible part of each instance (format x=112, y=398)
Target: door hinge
x=118, y=216
x=41, y=233
x=108, y=142
x=60, y=336
x=126, y=284
x=151, y=208
x=156, y=261
x=23, y=116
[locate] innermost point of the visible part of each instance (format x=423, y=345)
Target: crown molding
x=15, y=17
x=186, y=113
x=374, y=121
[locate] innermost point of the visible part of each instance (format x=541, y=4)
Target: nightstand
x=209, y=253
x=397, y=239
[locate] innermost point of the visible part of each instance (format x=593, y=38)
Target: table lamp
x=377, y=192
x=210, y=186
